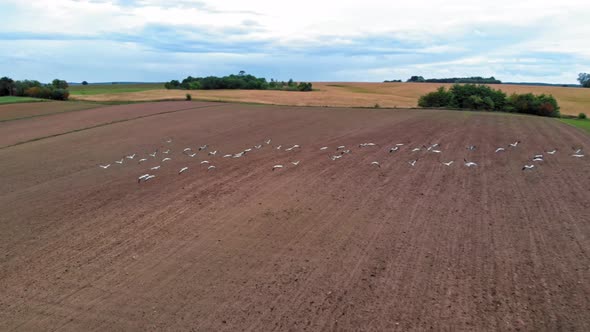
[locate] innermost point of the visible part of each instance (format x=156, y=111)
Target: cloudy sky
x=369, y=40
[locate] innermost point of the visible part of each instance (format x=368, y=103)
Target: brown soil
x=38, y=127
x=401, y=95
x=326, y=245
x=27, y=110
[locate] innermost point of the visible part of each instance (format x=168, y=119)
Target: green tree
x=416, y=79
x=584, y=79
x=59, y=84
x=84, y=83
x=6, y=86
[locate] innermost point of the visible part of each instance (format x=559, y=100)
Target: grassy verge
x=14, y=100
x=582, y=124
x=96, y=89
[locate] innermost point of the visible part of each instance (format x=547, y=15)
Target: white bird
x=345, y=152
x=577, y=155
x=469, y=163
x=279, y=147
x=552, y=151
x=247, y=150
x=393, y=149
x=376, y=163
x=340, y=147
x=323, y=148
x=500, y=150
x=212, y=153
x=267, y=142
x=119, y=161
x=142, y=160
x=186, y=149
x=105, y=166
x=238, y=155
x=277, y=166
x=416, y=149
x=577, y=151
x=203, y=147
x=295, y=162
x=211, y=167
x=142, y=177
x=514, y=144
x=169, y=140
x=528, y=167
x=538, y=156
x=182, y=170
x=166, y=152
x=471, y=147
x=413, y=162
x=204, y=162
x=399, y=144
x=153, y=154
x=366, y=144
x=166, y=159
x=155, y=168
x=131, y=156
x=227, y=156
x=258, y=146
x=192, y=155
x=289, y=149
x=449, y=163
x=436, y=151
x=336, y=157
x=149, y=177
x=296, y=146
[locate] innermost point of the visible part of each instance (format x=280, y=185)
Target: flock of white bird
x=339, y=153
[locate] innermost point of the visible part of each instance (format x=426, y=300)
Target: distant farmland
x=401, y=95
x=100, y=89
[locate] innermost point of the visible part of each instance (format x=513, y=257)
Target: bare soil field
x=324, y=245
x=26, y=110
x=401, y=95
x=34, y=128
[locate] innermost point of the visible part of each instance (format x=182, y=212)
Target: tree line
x=57, y=89
x=482, y=97
x=241, y=81
x=469, y=80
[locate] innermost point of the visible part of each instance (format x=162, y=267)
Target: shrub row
x=58, y=89
x=482, y=97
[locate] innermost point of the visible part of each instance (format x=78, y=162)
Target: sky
x=368, y=41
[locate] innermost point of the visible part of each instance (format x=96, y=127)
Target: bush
x=482, y=97
x=440, y=98
x=84, y=83
x=189, y=97
x=528, y=103
x=582, y=116
x=376, y=105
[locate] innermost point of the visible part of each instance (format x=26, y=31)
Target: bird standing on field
x=183, y=170
x=469, y=163
x=528, y=167
x=105, y=166
x=376, y=163
x=277, y=167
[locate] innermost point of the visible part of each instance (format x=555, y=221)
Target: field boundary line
x=103, y=125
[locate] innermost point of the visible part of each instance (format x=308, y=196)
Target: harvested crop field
x=571, y=100
x=28, y=110
x=324, y=245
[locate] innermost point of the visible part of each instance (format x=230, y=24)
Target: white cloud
x=460, y=35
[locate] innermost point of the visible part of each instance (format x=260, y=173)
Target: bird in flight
x=105, y=166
